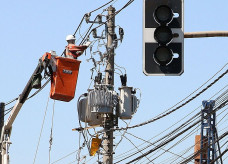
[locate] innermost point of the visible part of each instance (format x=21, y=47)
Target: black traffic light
x=163, y=37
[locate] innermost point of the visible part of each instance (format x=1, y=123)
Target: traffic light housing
x=163, y=37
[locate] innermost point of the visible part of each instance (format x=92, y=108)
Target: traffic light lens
x=163, y=14
x=163, y=55
x=163, y=34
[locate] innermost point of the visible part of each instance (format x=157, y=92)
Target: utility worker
x=73, y=51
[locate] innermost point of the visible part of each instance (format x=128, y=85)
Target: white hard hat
x=70, y=37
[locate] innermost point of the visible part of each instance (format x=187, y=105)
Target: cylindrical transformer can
x=85, y=114
x=135, y=104
x=125, y=103
x=101, y=101
x=82, y=110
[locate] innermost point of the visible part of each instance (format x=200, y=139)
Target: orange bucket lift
x=64, y=79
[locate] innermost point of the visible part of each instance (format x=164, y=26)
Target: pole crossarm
x=206, y=34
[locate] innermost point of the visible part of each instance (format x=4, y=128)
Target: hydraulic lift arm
x=68, y=70
x=7, y=127
x=22, y=98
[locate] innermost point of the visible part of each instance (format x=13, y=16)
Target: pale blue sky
x=31, y=28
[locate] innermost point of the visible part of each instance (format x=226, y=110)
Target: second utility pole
x=109, y=80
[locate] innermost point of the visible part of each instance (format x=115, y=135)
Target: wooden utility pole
x=109, y=80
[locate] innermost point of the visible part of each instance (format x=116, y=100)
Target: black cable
x=179, y=141
x=195, y=143
x=90, y=13
x=167, y=135
x=137, y=148
x=101, y=6
x=86, y=35
x=167, y=141
x=79, y=25
x=9, y=102
x=180, y=106
x=223, y=153
x=164, y=143
x=165, y=150
x=35, y=93
x=116, y=13
x=205, y=148
x=182, y=124
x=222, y=136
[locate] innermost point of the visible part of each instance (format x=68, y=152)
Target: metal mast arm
x=21, y=99
x=6, y=129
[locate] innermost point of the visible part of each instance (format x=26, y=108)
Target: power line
x=65, y=156
x=180, y=106
x=137, y=148
x=164, y=143
x=51, y=135
x=37, y=147
x=202, y=150
x=116, y=13
x=9, y=102
x=179, y=121
x=153, y=144
x=171, y=139
x=90, y=13
x=167, y=135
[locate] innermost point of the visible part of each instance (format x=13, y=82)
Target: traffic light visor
x=163, y=55
x=163, y=14
x=163, y=34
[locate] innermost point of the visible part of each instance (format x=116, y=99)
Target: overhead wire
x=37, y=147
x=167, y=141
x=196, y=89
x=43, y=86
x=164, y=137
x=222, y=136
x=153, y=144
x=122, y=136
x=205, y=148
x=194, y=144
x=179, y=140
x=90, y=13
x=172, y=132
x=178, y=107
x=138, y=149
x=164, y=143
x=11, y=101
x=116, y=13
x=124, y=154
x=65, y=156
x=51, y=134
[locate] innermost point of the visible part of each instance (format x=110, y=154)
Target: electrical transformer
x=128, y=103
x=102, y=100
x=85, y=114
